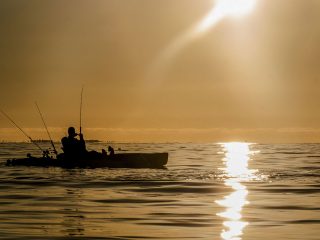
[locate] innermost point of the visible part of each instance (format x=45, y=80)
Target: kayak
x=121, y=160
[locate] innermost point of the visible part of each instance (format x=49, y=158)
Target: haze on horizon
x=253, y=78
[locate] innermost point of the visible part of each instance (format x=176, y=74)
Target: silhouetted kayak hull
x=124, y=160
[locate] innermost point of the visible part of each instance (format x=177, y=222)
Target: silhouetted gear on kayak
x=111, y=151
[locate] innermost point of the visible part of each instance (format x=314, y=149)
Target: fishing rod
x=31, y=140
x=45, y=126
x=81, y=110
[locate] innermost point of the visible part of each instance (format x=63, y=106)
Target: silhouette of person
x=73, y=147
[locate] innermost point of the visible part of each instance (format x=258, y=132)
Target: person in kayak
x=73, y=147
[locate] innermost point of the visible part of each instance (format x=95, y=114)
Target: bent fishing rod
x=45, y=126
x=81, y=109
x=24, y=133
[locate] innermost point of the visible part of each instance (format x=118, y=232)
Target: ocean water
x=208, y=191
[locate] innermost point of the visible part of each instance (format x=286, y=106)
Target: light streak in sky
x=220, y=10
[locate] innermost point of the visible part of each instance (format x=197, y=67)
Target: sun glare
x=221, y=9
x=226, y=8
x=236, y=162
x=234, y=7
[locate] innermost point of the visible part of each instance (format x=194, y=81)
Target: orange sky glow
x=162, y=70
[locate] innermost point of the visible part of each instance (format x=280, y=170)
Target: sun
x=226, y=8
x=234, y=7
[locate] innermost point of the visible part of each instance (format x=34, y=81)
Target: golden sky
x=254, y=77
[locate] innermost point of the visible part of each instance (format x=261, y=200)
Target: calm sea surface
x=208, y=191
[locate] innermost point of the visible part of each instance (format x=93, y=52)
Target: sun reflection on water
x=236, y=170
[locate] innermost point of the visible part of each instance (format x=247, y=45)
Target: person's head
x=72, y=132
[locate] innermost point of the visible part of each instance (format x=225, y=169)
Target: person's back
x=72, y=147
